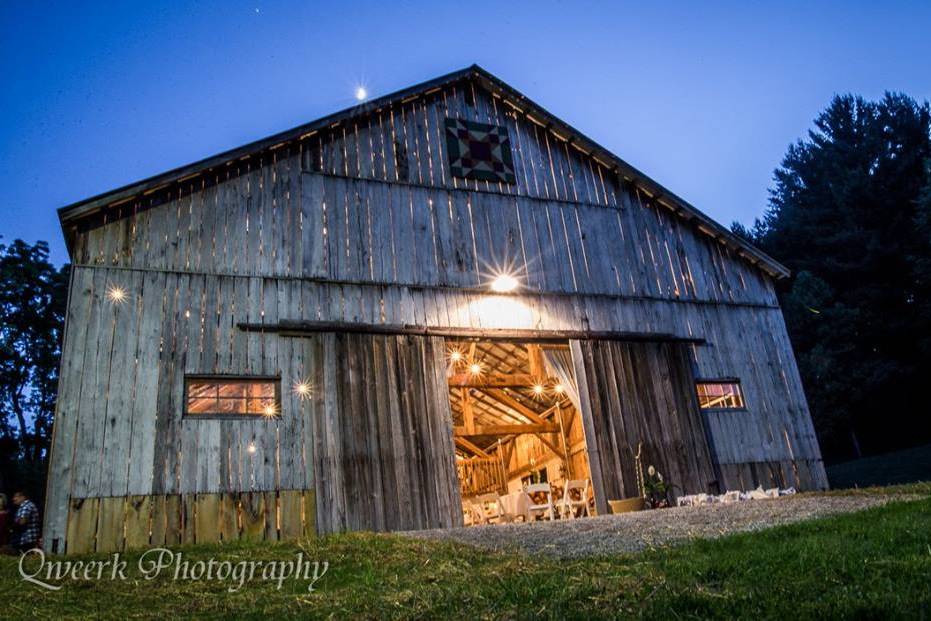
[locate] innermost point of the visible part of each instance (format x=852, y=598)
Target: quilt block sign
x=479, y=151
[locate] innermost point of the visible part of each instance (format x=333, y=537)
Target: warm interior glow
x=504, y=283
x=504, y=311
x=229, y=397
x=725, y=395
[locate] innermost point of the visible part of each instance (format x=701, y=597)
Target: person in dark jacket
x=26, y=523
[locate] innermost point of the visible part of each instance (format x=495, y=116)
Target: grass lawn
x=875, y=563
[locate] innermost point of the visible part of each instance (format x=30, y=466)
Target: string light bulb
x=116, y=294
x=475, y=368
x=361, y=93
x=251, y=448
x=302, y=389
x=559, y=389
x=270, y=411
x=455, y=355
x=538, y=389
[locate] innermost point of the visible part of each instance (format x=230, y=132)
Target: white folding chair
x=569, y=505
x=488, y=509
x=537, y=508
x=470, y=515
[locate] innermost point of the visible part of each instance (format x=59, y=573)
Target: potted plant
x=655, y=489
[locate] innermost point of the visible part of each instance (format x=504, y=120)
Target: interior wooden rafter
x=499, y=402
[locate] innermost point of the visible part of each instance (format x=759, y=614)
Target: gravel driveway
x=631, y=532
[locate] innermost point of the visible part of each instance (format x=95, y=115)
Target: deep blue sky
x=705, y=98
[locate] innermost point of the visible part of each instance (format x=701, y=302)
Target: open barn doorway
x=519, y=440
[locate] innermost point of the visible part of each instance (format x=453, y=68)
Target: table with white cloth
x=517, y=504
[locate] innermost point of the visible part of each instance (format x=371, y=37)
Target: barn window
x=232, y=396
x=720, y=395
x=479, y=151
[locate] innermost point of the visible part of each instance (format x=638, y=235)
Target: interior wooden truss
x=508, y=393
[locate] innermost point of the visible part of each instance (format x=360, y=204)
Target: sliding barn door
x=640, y=395
x=384, y=453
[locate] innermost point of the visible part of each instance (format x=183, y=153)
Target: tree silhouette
x=33, y=295
x=850, y=215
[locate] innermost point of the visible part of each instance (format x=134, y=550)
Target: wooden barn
x=363, y=321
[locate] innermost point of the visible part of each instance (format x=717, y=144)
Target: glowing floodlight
x=503, y=283
x=361, y=93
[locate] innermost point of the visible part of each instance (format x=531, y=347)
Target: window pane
x=260, y=390
x=201, y=406
x=262, y=406
x=231, y=406
x=231, y=397
x=201, y=389
x=235, y=390
x=719, y=395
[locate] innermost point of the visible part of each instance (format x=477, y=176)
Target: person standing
x=26, y=523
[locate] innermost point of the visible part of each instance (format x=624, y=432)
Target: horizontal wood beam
x=300, y=328
x=491, y=380
x=501, y=430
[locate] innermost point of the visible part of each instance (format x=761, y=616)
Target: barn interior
x=516, y=424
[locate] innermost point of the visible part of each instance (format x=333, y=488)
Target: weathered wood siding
x=384, y=441
x=365, y=225
x=332, y=229
x=641, y=397
x=116, y=523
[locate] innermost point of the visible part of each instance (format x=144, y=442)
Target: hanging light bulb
x=475, y=368
x=251, y=448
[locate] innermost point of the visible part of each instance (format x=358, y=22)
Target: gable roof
x=71, y=214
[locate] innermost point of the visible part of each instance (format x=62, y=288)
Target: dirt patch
x=632, y=532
